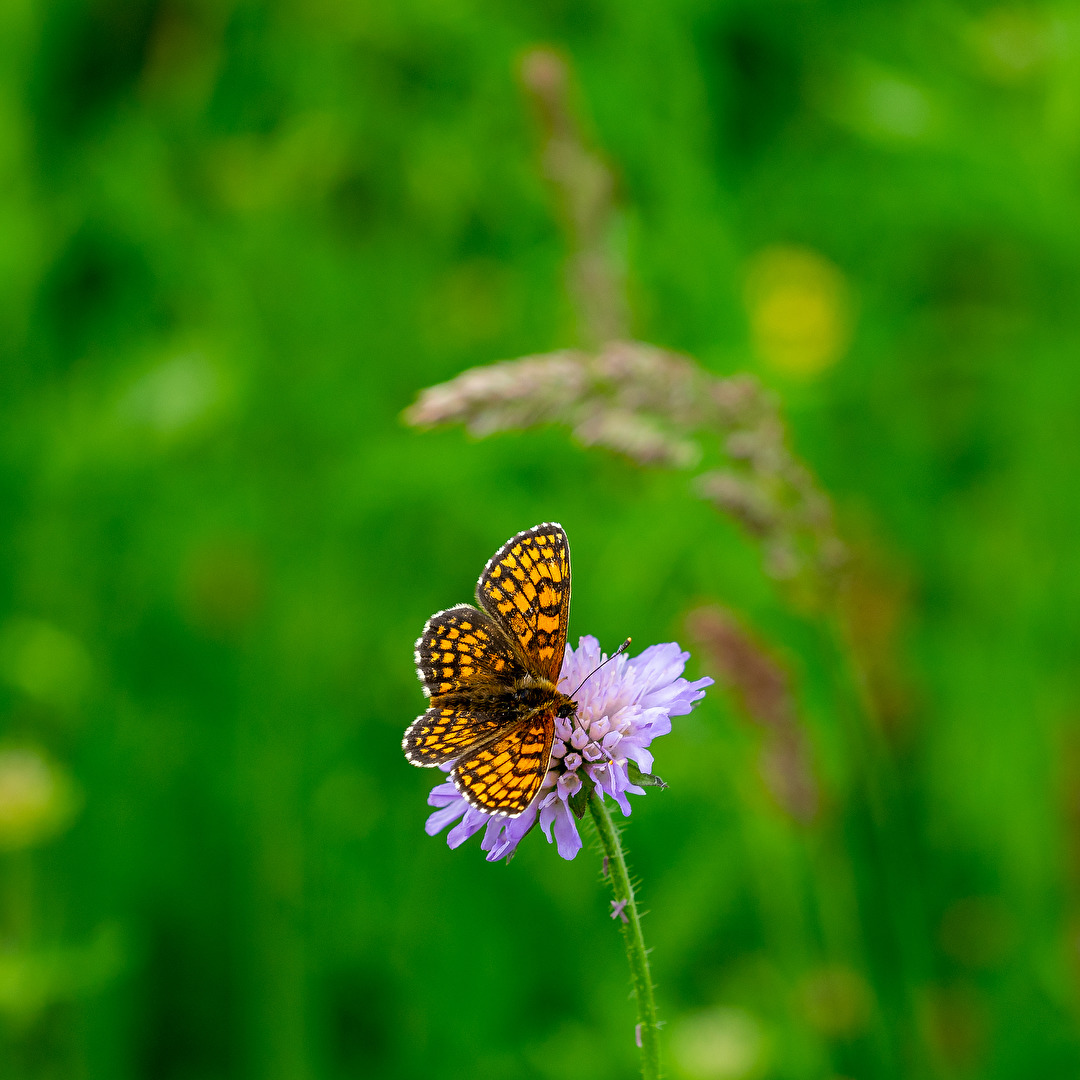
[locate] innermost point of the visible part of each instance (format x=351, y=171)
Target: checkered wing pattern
x=462, y=649
x=445, y=732
x=504, y=776
x=525, y=587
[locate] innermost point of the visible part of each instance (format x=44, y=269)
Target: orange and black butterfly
x=492, y=673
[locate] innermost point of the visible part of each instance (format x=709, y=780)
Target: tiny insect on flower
x=620, y=710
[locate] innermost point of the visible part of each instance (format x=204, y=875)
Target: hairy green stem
x=625, y=908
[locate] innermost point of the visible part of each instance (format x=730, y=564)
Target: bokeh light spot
x=174, y=397
x=721, y=1044
x=836, y=1001
x=37, y=798
x=44, y=662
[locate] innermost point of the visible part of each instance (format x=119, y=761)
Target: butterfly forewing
x=525, y=587
x=460, y=649
x=504, y=776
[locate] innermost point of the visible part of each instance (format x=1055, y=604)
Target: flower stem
x=625, y=906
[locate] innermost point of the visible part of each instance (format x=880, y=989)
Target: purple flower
x=621, y=709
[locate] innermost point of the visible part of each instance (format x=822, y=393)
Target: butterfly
x=492, y=672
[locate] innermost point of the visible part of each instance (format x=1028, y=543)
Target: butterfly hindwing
x=460, y=649
x=525, y=587
x=504, y=776
x=446, y=732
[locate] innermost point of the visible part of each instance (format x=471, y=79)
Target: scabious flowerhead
x=621, y=709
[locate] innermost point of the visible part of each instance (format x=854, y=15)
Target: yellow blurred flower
x=37, y=799
x=799, y=308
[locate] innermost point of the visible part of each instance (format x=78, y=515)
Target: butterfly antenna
x=621, y=649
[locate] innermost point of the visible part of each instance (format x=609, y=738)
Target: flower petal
x=567, y=839
x=441, y=818
x=504, y=834
x=473, y=821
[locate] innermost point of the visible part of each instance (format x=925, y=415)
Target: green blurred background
x=236, y=239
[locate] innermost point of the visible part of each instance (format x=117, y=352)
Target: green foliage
x=236, y=239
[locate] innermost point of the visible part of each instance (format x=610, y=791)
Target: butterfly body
x=491, y=673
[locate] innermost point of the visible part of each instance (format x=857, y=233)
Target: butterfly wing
x=445, y=732
x=525, y=588
x=465, y=663
x=461, y=650
x=503, y=776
